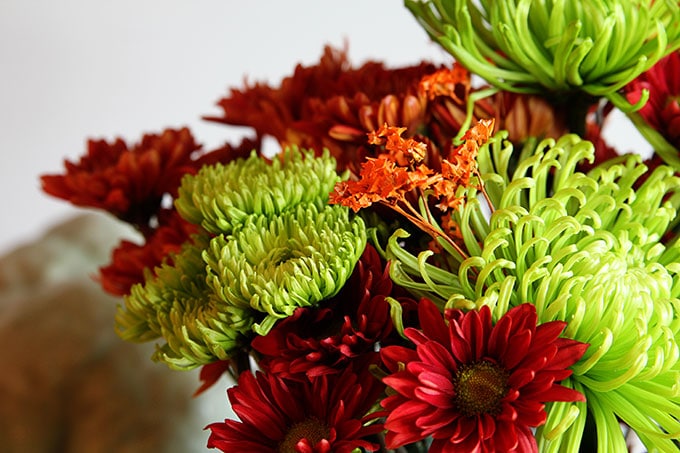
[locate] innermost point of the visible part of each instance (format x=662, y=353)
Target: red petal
x=432, y=321
x=434, y=398
x=519, y=345
x=436, y=354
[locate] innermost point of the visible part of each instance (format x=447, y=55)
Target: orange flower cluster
x=452, y=83
x=404, y=151
x=392, y=176
x=381, y=181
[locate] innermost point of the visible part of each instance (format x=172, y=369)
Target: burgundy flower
x=473, y=386
x=340, y=334
x=326, y=414
x=129, y=260
x=331, y=105
x=228, y=152
x=662, y=110
x=129, y=182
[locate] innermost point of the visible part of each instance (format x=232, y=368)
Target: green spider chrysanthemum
x=558, y=46
x=585, y=249
x=293, y=260
x=270, y=244
x=220, y=196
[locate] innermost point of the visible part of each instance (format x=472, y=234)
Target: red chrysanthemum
x=473, y=386
x=228, y=152
x=340, y=334
x=129, y=260
x=331, y=105
x=129, y=182
x=326, y=414
x=662, y=110
x=164, y=231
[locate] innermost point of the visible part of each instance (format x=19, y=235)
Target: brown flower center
x=480, y=387
x=311, y=429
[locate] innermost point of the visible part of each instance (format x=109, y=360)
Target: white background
x=77, y=69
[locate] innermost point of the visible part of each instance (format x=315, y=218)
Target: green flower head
x=221, y=197
x=293, y=260
x=558, y=46
x=585, y=249
x=270, y=244
x=179, y=307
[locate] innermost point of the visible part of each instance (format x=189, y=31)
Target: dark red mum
x=341, y=333
x=326, y=414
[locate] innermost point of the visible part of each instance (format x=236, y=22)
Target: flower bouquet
x=437, y=257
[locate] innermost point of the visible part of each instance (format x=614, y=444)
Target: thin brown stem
x=417, y=219
x=492, y=208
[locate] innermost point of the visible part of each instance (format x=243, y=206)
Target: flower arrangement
x=426, y=263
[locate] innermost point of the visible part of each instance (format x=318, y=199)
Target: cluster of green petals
x=586, y=249
x=270, y=243
x=178, y=306
x=294, y=260
x=221, y=196
x=534, y=46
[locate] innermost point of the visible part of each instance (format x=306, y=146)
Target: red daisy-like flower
x=473, y=386
x=327, y=414
x=129, y=182
x=342, y=333
x=130, y=259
